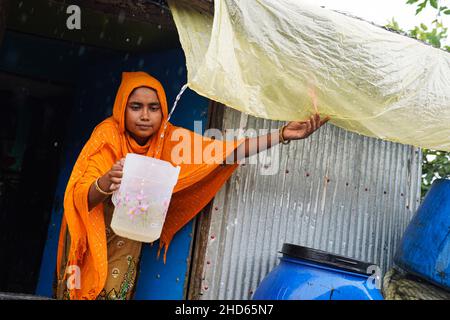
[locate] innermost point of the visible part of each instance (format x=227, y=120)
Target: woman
x=95, y=263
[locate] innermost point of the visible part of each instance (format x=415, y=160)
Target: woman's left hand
x=296, y=130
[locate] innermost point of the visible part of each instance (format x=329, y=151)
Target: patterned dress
x=123, y=260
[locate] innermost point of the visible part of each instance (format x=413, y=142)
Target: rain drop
x=23, y=18
x=159, y=27
x=121, y=17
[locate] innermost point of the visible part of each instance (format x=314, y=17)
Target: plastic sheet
x=269, y=58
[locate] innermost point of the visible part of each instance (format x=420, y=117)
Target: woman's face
x=143, y=114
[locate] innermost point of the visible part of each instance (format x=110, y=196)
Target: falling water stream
x=183, y=88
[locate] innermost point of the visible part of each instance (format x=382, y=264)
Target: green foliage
x=438, y=32
x=435, y=164
x=393, y=25
x=433, y=36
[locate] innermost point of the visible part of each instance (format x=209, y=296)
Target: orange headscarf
x=197, y=184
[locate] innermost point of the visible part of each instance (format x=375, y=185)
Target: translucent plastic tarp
x=270, y=58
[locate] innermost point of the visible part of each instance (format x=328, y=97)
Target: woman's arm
x=107, y=183
x=294, y=130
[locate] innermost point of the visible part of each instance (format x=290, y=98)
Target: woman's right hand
x=111, y=180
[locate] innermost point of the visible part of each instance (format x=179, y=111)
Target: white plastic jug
x=142, y=201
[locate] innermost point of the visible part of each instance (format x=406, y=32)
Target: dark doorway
x=33, y=121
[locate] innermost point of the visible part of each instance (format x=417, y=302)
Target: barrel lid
x=326, y=258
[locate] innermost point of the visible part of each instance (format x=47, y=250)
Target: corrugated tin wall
x=336, y=191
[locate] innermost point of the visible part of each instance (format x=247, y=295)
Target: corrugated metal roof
x=335, y=191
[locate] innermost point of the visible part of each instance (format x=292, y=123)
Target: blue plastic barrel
x=425, y=247
x=309, y=274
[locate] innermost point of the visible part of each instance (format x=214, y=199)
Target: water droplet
x=159, y=27
x=127, y=39
x=121, y=17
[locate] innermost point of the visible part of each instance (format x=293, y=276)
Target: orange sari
x=197, y=184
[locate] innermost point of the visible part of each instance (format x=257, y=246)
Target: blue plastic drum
x=309, y=274
x=425, y=247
